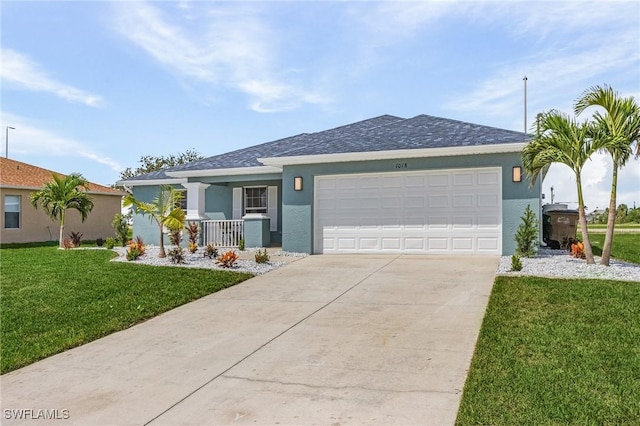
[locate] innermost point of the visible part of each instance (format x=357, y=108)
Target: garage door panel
x=391, y=243
x=461, y=243
x=438, y=243
x=487, y=244
x=438, y=180
x=463, y=201
x=463, y=179
x=438, y=222
x=491, y=178
x=445, y=211
x=463, y=222
x=438, y=201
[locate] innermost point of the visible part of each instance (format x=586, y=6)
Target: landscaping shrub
x=110, y=242
x=516, y=263
x=262, y=256
x=99, y=242
x=193, y=247
x=121, y=226
x=577, y=250
x=136, y=249
x=527, y=234
x=76, y=238
x=241, y=244
x=193, y=230
x=175, y=236
x=227, y=260
x=67, y=244
x=176, y=255
x=210, y=251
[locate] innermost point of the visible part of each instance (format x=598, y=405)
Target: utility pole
x=525, y=104
x=6, y=147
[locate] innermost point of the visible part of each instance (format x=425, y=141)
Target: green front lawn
x=52, y=300
x=625, y=246
x=556, y=352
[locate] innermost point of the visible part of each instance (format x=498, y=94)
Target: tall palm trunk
x=611, y=220
x=162, y=252
x=61, y=230
x=582, y=219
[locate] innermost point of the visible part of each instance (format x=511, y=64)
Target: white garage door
x=437, y=212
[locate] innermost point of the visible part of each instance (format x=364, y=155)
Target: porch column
x=195, y=200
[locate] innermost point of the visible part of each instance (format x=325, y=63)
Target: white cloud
x=29, y=139
x=221, y=45
x=18, y=70
x=596, y=183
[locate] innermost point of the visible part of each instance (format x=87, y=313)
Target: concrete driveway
x=324, y=340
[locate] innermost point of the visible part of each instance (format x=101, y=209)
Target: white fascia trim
x=257, y=170
x=151, y=182
x=395, y=154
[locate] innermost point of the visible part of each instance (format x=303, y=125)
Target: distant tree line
x=624, y=214
x=153, y=163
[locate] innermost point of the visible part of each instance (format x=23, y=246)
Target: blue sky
x=92, y=86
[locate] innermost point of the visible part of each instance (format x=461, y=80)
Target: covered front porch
x=253, y=229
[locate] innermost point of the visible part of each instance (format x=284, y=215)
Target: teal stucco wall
x=297, y=208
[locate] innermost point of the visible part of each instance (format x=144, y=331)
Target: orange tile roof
x=17, y=174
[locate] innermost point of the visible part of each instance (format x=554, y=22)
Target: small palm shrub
x=67, y=244
x=262, y=256
x=176, y=255
x=210, y=251
x=110, y=243
x=227, y=260
x=76, y=238
x=241, y=244
x=516, y=263
x=193, y=247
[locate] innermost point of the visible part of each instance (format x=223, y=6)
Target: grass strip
x=556, y=352
x=52, y=300
x=625, y=247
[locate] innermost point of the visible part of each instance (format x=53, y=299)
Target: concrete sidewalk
x=327, y=339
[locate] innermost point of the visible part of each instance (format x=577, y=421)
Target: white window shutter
x=237, y=203
x=272, y=207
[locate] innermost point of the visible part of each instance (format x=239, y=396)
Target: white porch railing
x=222, y=233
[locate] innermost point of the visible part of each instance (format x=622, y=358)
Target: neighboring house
x=382, y=185
x=22, y=223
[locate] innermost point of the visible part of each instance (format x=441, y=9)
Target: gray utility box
x=559, y=223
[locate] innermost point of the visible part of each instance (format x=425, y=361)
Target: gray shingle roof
x=384, y=133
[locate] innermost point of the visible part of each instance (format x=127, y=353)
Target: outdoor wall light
x=297, y=183
x=516, y=174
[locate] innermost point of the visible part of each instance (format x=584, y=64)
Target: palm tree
x=618, y=129
x=164, y=209
x=560, y=139
x=62, y=194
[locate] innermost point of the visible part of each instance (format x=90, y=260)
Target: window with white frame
x=255, y=199
x=12, y=211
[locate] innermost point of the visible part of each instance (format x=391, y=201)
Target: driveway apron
x=350, y=339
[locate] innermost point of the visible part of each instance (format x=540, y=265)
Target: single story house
x=22, y=223
x=383, y=185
